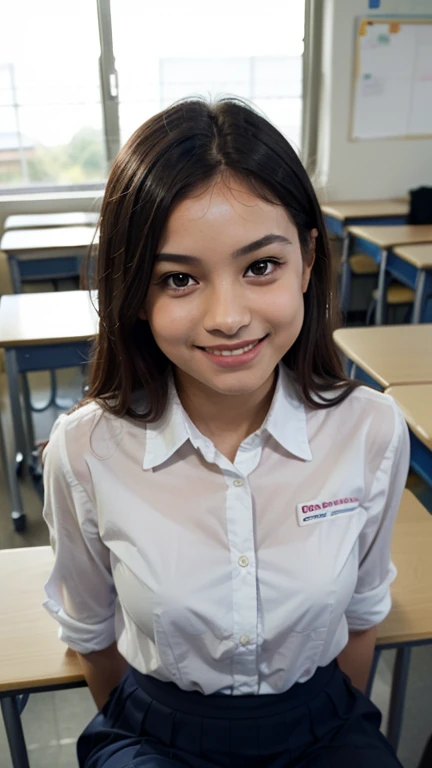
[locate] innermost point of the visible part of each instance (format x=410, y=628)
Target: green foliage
x=83, y=159
x=86, y=151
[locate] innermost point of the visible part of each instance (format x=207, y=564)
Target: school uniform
x=230, y=588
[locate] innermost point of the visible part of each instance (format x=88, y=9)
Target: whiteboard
x=393, y=80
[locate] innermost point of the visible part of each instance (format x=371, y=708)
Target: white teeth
x=230, y=353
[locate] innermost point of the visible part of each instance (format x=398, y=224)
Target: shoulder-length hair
x=172, y=155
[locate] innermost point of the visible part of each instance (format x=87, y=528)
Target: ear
x=142, y=315
x=309, y=262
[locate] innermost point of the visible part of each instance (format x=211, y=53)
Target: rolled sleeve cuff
x=82, y=638
x=367, y=609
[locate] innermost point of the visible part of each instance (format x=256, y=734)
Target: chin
x=238, y=383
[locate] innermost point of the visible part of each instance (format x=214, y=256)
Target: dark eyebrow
x=245, y=250
x=263, y=242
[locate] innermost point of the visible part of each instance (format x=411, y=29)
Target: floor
x=52, y=721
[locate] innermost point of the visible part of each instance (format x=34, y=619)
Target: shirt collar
x=285, y=422
x=165, y=436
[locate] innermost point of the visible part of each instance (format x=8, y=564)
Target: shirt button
x=238, y=483
x=244, y=639
x=243, y=561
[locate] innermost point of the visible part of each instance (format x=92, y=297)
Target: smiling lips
x=232, y=350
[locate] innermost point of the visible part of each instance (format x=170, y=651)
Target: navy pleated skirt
x=323, y=723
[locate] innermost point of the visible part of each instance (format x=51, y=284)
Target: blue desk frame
x=421, y=461
x=421, y=456
x=337, y=227
x=389, y=263
x=19, y=360
x=32, y=270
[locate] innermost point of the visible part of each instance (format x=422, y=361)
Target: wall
x=348, y=170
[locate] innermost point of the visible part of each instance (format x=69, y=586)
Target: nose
x=227, y=310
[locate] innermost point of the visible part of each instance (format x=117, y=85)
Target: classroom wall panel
x=372, y=168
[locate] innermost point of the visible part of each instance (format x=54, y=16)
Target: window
x=50, y=110
x=59, y=120
x=168, y=50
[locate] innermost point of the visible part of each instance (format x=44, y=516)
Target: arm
x=357, y=656
x=371, y=601
x=103, y=671
x=80, y=591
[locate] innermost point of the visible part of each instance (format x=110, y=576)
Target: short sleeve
x=80, y=591
x=371, y=601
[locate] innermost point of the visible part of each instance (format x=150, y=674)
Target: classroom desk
x=386, y=355
x=41, y=254
x=32, y=659
x=340, y=215
x=379, y=243
x=409, y=622
x=47, y=220
x=49, y=662
x=415, y=402
x=40, y=331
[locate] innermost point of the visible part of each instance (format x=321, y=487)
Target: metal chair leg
x=398, y=691
x=14, y=732
x=18, y=440
x=345, y=290
x=382, y=290
x=370, y=311
x=27, y=413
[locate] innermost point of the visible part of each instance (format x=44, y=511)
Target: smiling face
x=226, y=297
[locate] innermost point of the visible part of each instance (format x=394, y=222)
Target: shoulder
x=86, y=434
x=75, y=426
x=370, y=418
x=69, y=441
x=377, y=408
x=377, y=417
x=370, y=401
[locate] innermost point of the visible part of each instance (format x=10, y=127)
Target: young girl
x=221, y=508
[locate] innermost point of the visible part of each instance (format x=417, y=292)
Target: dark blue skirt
x=323, y=723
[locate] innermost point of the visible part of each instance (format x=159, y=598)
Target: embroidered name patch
x=318, y=511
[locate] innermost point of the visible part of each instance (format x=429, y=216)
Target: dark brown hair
x=167, y=159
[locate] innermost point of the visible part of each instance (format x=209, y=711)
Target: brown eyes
x=179, y=281
x=260, y=268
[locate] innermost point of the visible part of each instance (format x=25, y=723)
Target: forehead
x=227, y=208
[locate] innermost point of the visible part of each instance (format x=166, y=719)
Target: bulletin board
x=392, y=88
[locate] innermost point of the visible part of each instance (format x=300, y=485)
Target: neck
x=226, y=419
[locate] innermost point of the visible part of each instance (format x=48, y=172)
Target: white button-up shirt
x=238, y=577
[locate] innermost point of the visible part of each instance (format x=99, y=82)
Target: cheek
x=169, y=320
x=287, y=307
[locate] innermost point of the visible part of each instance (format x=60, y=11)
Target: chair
x=363, y=274
x=364, y=266
x=397, y=296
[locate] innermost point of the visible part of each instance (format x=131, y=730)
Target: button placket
x=240, y=527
